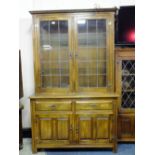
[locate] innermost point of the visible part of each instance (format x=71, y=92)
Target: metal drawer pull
x=93, y=105
x=52, y=106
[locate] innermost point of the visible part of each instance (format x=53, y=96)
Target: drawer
x=94, y=105
x=53, y=105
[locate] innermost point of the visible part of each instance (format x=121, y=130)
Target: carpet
x=123, y=149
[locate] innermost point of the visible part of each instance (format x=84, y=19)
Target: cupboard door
x=54, y=128
x=53, y=47
x=84, y=128
x=96, y=128
x=104, y=128
x=126, y=127
x=93, y=53
x=45, y=129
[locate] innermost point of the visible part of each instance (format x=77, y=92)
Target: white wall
x=25, y=38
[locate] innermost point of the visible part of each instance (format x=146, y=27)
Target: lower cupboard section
x=90, y=126
x=78, y=130
x=87, y=128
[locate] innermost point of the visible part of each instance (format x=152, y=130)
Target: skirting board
x=27, y=133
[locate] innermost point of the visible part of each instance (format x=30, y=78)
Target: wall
x=25, y=38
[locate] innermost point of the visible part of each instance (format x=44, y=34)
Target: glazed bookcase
x=125, y=87
x=74, y=104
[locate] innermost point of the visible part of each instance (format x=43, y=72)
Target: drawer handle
x=93, y=105
x=52, y=106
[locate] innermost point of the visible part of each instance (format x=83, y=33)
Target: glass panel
x=92, y=53
x=128, y=84
x=54, y=52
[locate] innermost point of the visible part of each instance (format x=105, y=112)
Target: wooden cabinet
x=92, y=124
x=74, y=103
x=74, y=51
x=125, y=86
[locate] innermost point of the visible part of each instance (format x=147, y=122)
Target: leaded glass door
x=125, y=87
x=54, y=53
x=92, y=53
x=128, y=84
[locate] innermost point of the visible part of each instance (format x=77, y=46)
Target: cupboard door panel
x=63, y=128
x=85, y=128
x=102, y=126
x=46, y=129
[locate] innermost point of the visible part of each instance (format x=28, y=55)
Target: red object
x=131, y=36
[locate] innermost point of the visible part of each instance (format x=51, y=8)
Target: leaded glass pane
x=128, y=83
x=54, y=51
x=92, y=53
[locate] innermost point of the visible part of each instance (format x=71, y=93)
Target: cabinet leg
x=115, y=148
x=34, y=149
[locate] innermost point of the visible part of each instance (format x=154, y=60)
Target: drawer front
x=94, y=105
x=53, y=105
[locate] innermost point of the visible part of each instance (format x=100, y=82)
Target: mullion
x=97, y=51
x=59, y=54
x=87, y=46
x=49, y=40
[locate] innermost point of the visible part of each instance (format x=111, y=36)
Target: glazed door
x=92, y=128
x=53, y=53
x=128, y=84
x=125, y=87
x=93, y=53
x=55, y=128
